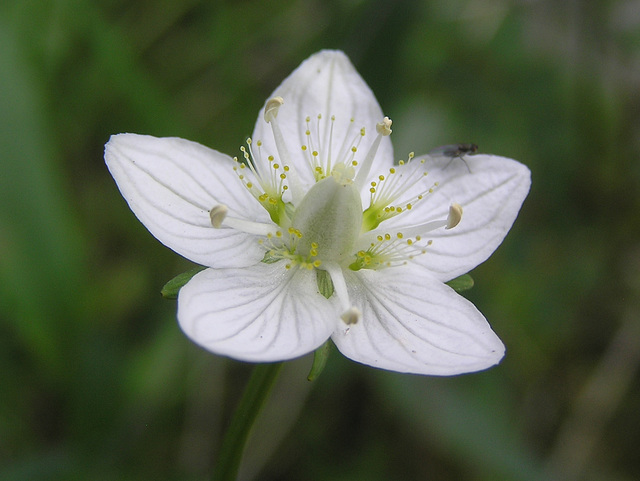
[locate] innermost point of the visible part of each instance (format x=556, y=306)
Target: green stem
x=255, y=394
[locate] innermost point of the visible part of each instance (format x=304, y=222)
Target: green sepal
x=171, y=288
x=325, y=284
x=320, y=357
x=462, y=283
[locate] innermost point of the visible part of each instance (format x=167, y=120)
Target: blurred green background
x=96, y=380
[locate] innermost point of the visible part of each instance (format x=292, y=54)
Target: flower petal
x=171, y=184
x=326, y=84
x=261, y=313
x=491, y=197
x=413, y=323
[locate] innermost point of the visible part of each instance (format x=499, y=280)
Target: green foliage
x=99, y=383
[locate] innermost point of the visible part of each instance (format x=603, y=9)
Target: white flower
x=316, y=206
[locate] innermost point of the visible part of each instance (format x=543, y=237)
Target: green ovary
x=330, y=215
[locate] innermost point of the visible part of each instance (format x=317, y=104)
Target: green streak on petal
x=325, y=284
x=171, y=288
x=320, y=357
x=462, y=283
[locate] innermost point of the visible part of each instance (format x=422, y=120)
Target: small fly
x=455, y=151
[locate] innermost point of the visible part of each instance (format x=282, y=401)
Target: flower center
x=326, y=228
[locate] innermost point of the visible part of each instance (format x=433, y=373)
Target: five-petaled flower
x=315, y=233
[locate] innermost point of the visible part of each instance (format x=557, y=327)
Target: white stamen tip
x=217, y=214
x=351, y=316
x=271, y=109
x=455, y=215
x=384, y=127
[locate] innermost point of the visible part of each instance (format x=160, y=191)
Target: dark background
x=97, y=382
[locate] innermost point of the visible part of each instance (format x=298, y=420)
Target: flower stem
x=255, y=394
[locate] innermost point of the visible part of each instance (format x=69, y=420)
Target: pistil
x=270, y=116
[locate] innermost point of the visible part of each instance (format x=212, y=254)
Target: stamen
x=416, y=231
x=351, y=314
x=270, y=114
x=318, y=149
x=387, y=251
x=387, y=189
x=420, y=229
x=455, y=215
x=384, y=129
x=384, y=249
x=219, y=219
x=271, y=109
x=217, y=214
